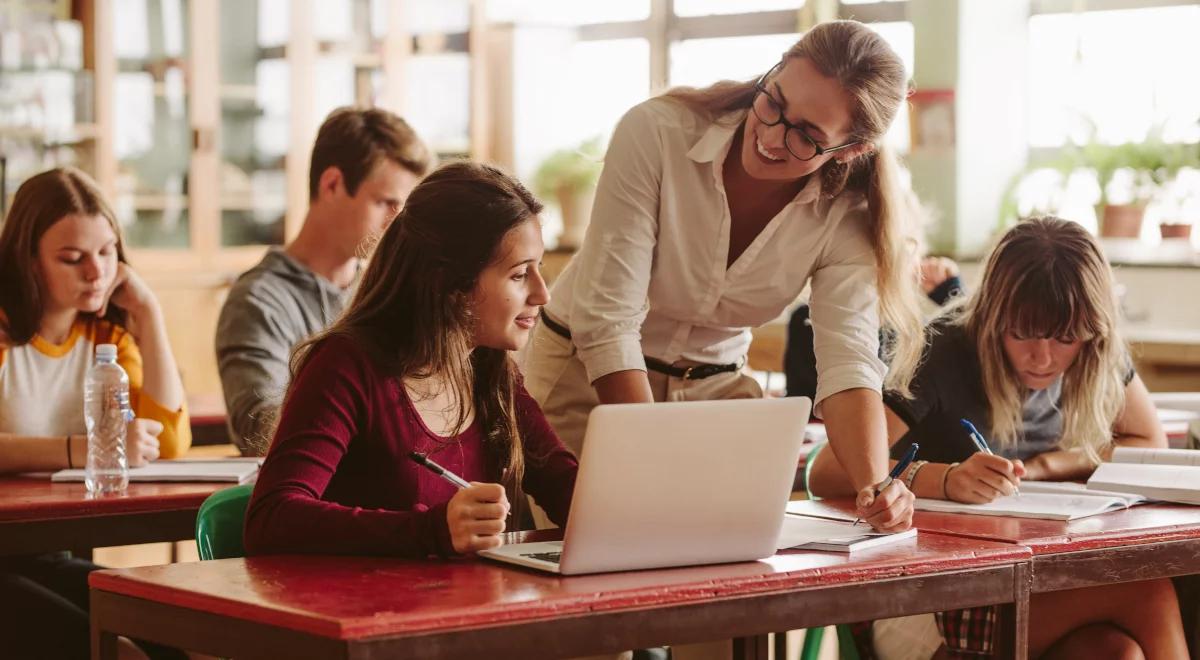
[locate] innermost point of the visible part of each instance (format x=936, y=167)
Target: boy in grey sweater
x=364, y=163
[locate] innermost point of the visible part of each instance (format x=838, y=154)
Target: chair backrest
x=219, y=523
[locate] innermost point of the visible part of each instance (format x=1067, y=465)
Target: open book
x=229, y=470
x=1172, y=475
x=1041, y=499
x=808, y=533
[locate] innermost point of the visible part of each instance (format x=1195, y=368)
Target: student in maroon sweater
x=419, y=362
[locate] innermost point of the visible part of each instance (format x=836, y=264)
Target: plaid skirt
x=967, y=633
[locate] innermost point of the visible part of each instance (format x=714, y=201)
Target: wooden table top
x=33, y=498
x=361, y=597
x=1149, y=523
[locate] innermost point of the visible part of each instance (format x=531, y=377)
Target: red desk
x=37, y=515
x=1140, y=543
x=346, y=607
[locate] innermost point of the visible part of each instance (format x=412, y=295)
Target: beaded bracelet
x=911, y=474
x=945, y=476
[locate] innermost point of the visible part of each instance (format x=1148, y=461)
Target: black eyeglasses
x=770, y=113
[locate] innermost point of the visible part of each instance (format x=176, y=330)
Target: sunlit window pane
x=444, y=16
x=900, y=37
x=1079, y=76
x=700, y=62
x=710, y=7
x=274, y=19
x=574, y=12
x=438, y=99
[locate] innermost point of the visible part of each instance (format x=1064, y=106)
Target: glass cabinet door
x=152, y=139
x=255, y=98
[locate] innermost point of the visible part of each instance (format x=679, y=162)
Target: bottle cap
x=106, y=352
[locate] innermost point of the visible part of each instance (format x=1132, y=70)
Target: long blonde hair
x=874, y=78
x=1048, y=277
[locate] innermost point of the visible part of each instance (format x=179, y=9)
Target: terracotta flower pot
x=1175, y=230
x=1121, y=220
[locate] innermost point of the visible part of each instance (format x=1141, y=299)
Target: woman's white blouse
x=651, y=279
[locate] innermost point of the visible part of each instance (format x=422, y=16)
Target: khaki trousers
x=556, y=378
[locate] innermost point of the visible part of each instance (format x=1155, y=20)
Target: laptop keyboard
x=552, y=557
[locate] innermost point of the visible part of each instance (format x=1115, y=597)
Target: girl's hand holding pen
x=889, y=511
x=983, y=477
x=476, y=517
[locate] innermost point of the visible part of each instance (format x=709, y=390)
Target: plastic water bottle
x=106, y=411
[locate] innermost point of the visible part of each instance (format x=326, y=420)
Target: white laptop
x=676, y=484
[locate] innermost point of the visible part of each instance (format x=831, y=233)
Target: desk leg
x=781, y=638
x=104, y=643
x=751, y=648
x=1012, y=640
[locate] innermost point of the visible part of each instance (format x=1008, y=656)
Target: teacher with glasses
x=715, y=209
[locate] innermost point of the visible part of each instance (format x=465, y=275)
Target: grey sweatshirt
x=270, y=309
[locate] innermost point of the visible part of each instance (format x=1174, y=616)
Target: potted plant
x=569, y=177
x=1130, y=176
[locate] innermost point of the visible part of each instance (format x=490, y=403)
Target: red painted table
x=1140, y=543
x=348, y=607
x=37, y=515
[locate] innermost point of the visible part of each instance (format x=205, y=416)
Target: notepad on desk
x=225, y=470
x=808, y=533
x=1068, y=504
x=1171, y=475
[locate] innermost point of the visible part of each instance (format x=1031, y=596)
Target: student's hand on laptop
x=141, y=441
x=890, y=511
x=983, y=477
x=476, y=517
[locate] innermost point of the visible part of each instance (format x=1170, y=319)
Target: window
x=1084, y=89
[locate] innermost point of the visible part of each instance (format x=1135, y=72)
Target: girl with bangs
x=1035, y=360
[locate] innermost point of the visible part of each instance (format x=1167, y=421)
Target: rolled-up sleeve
x=845, y=312
x=609, y=301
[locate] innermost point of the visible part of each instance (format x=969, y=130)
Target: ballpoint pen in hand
x=440, y=471
x=901, y=465
x=980, y=442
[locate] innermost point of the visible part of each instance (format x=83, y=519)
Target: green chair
x=219, y=523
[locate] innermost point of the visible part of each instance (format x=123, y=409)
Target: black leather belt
x=693, y=372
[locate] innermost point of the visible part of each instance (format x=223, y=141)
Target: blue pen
x=896, y=471
x=980, y=442
x=440, y=471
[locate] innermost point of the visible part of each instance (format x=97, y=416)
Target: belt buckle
x=687, y=373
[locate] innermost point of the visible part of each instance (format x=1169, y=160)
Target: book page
x=1052, y=506
x=1150, y=455
x=1173, y=483
x=1077, y=488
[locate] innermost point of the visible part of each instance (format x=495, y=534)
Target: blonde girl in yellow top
x=64, y=288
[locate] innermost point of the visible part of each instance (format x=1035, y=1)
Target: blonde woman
x=1035, y=360
x=716, y=207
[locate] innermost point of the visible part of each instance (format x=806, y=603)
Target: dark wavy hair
x=412, y=311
